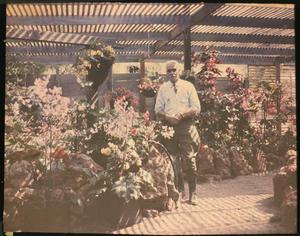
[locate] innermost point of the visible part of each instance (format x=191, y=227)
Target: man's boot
x=193, y=198
x=192, y=189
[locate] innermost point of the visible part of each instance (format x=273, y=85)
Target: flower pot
x=148, y=93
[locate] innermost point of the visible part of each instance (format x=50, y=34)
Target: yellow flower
x=112, y=146
x=93, y=52
x=126, y=166
x=138, y=162
x=106, y=151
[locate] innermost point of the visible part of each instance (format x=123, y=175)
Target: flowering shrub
x=119, y=140
x=18, y=71
x=96, y=56
x=120, y=93
x=236, y=80
x=225, y=119
x=149, y=87
x=34, y=116
x=206, y=77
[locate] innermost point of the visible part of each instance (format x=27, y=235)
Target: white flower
x=81, y=107
x=131, y=143
x=167, y=132
x=94, y=131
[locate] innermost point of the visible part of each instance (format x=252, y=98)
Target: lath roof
x=256, y=33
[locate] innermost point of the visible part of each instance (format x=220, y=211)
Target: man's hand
x=189, y=113
x=173, y=120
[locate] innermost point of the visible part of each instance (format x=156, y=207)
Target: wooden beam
x=246, y=38
x=164, y=37
x=187, y=49
x=143, y=49
x=196, y=18
x=47, y=49
x=82, y=39
x=96, y=20
x=225, y=59
x=240, y=21
x=251, y=60
x=244, y=50
x=48, y=36
x=63, y=59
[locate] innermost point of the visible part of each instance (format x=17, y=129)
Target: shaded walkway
x=234, y=206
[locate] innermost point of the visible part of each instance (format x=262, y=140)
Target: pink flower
x=134, y=132
x=146, y=117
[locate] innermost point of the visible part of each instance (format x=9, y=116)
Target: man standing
x=177, y=103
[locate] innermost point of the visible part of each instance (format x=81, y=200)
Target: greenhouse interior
x=86, y=144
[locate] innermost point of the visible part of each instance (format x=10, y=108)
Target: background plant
x=35, y=116
x=120, y=93
x=225, y=119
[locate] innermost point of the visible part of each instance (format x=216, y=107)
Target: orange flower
x=59, y=153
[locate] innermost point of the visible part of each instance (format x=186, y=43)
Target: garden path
x=242, y=205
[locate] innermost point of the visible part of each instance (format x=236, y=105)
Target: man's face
x=172, y=72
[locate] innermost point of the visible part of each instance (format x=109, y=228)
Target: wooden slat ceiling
x=142, y=29
x=101, y=9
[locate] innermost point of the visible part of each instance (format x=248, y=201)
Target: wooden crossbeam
x=244, y=50
x=47, y=36
x=242, y=38
x=249, y=22
x=95, y=20
x=226, y=59
x=47, y=49
x=164, y=36
x=160, y=36
x=143, y=49
x=196, y=18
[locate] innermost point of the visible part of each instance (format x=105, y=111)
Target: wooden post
x=187, y=49
x=279, y=98
x=142, y=74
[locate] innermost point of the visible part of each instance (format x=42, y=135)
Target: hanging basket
x=98, y=74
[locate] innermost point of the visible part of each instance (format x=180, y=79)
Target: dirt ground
x=243, y=205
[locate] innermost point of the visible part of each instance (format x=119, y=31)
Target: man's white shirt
x=172, y=103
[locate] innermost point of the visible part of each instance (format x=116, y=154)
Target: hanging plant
x=93, y=64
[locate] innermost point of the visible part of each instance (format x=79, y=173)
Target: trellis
x=244, y=33
x=257, y=35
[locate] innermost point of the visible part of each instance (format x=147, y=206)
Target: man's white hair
x=172, y=62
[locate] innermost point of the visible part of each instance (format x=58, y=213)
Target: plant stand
x=149, y=106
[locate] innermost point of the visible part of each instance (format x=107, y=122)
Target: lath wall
x=255, y=75
x=288, y=79
x=268, y=73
